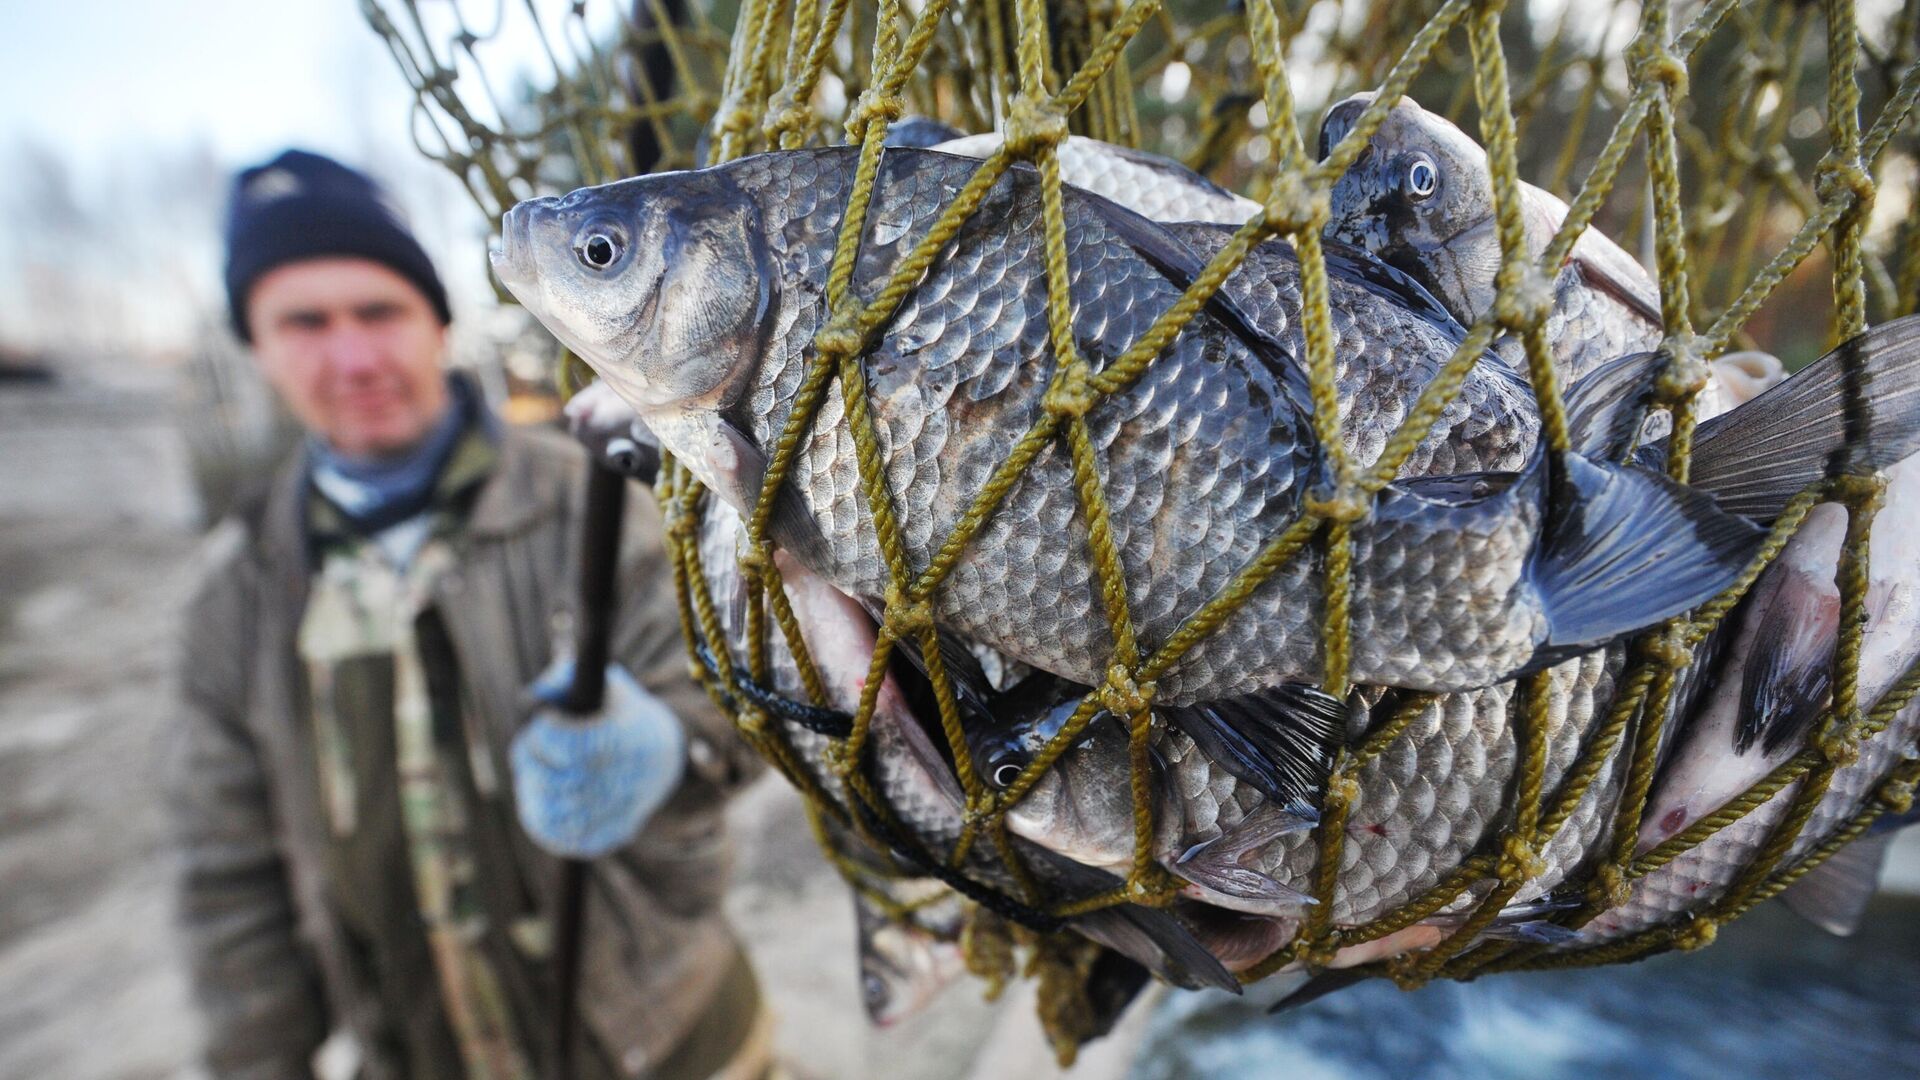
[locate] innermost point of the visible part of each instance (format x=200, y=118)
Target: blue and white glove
x=586, y=785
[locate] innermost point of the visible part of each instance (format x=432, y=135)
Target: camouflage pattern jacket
x=273, y=966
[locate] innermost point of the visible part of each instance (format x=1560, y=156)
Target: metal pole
x=599, y=569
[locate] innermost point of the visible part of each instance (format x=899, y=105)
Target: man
x=355, y=670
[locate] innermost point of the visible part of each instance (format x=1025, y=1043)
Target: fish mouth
x=512, y=260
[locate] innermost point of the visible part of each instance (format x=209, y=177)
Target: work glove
x=586, y=785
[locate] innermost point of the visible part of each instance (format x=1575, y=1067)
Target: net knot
x=1686, y=374
x=1839, y=746
x=1650, y=61
x=1341, y=791
x=1668, y=649
x=1034, y=123
x=1070, y=395
x=1836, y=181
x=754, y=562
x=1897, y=796
x=1321, y=956
x=1149, y=886
x=1408, y=972
x=870, y=104
x=986, y=948
x=1519, y=861
x=839, y=339
x=1861, y=492
x=1124, y=697
x=785, y=114
x=905, y=618
x=1297, y=204
x=1344, y=502
x=1698, y=934
x=1525, y=298
x=1612, y=885
x=735, y=118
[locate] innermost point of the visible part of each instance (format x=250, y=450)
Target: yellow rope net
x=1708, y=176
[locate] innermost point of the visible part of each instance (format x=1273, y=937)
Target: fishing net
x=1730, y=136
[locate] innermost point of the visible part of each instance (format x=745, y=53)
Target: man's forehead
x=333, y=281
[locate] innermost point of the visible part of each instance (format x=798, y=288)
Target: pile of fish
x=696, y=297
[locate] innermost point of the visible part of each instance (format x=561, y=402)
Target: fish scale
x=1400, y=823
x=1604, y=305
x=1223, y=489
x=1432, y=798
x=1420, y=794
x=1204, y=457
x=1490, y=425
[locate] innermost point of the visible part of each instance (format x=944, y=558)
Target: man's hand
x=586, y=785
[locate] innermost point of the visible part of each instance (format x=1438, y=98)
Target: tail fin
x=1625, y=548
x=1854, y=410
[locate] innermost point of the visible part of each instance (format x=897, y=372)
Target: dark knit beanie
x=303, y=206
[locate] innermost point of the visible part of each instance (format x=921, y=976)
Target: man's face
x=354, y=349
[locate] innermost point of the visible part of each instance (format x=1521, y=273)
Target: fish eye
x=599, y=246
x=1005, y=772
x=873, y=993
x=1422, y=179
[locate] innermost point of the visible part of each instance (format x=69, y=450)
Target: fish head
x=660, y=283
x=1419, y=198
x=903, y=965
x=1008, y=741
x=1082, y=806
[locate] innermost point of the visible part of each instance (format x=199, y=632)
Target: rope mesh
x=1706, y=176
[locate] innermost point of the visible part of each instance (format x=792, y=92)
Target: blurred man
x=356, y=665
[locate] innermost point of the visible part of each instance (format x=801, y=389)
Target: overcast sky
x=113, y=87
x=85, y=76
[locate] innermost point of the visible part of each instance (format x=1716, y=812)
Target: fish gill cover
x=1725, y=149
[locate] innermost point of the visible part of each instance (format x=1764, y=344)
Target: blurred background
x=129, y=418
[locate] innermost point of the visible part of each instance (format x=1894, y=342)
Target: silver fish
x=1421, y=808
x=907, y=769
x=1420, y=197
x=696, y=295
x=1776, y=680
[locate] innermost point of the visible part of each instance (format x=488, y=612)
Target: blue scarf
x=374, y=493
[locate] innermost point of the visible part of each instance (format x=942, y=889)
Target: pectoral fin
x=1789, y=675
x=1280, y=740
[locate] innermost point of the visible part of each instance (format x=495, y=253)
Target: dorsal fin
x=1280, y=739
